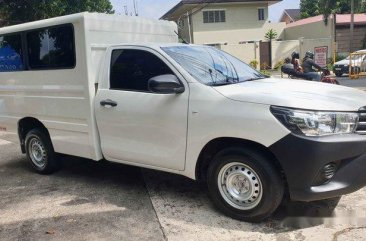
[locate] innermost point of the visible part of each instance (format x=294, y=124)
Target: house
x=337, y=29
x=235, y=26
x=223, y=21
x=290, y=15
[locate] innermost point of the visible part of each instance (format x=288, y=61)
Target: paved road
x=356, y=83
x=344, y=80
x=105, y=201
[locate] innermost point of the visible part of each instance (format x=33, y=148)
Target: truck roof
x=81, y=16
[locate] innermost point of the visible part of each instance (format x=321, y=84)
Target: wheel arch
x=218, y=144
x=27, y=124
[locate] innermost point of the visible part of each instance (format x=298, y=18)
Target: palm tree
x=270, y=35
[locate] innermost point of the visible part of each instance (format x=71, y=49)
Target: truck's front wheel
x=244, y=184
x=40, y=152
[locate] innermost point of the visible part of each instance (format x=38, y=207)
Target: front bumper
x=341, y=69
x=303, y=159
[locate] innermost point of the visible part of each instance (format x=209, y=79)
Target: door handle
x=108, y=103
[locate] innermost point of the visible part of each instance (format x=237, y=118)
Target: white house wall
x=241, y=24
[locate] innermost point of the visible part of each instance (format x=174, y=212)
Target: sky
x=156, y=8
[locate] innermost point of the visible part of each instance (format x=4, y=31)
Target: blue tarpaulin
x=10, y=60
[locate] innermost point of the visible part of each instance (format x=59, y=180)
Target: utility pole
x=352, y=25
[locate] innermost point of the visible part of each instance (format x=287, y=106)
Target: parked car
x=186, y=109
x=358, y=63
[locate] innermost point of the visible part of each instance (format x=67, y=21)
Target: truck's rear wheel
x=244, y=185
x=40, y=152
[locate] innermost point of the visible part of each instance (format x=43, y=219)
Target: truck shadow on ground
x=180, y=195
x=82, y=182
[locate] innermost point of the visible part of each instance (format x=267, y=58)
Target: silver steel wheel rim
x=240, y=186
x=37, y=153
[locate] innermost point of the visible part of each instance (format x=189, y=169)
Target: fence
x=283, y=49
x=245, y=52
x=357, y=64
x=280, y=49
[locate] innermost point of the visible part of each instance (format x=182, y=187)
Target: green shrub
x=254, y=64
x=266, y=72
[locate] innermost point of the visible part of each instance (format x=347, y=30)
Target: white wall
x=234, y=36
x=241, y=24
x=283, y=49
x=309, y=31
x=245, y=52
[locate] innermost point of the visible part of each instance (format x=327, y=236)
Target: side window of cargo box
x=11, y=55
x=131, y=69
x=51, y=48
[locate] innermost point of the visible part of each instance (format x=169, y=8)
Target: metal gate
x=265, y=56
x=357, y=64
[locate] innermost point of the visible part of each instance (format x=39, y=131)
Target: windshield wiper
x=256, y=78
x=220, y=83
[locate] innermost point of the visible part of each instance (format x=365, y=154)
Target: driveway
x=105, y=201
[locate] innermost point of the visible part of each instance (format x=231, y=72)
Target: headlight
x=316, y=123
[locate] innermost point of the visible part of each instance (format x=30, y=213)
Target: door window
x=132, y=69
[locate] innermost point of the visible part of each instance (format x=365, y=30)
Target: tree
x=271, y=34
x=20, y=11
x=329, y=7
x=309, y=8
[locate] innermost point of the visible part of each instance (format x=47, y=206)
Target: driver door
x=139, y=126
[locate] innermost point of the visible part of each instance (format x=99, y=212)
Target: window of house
x=51, y=48
x=261, y=14
x=131, y=69
x=11, y=55
x=217, y=16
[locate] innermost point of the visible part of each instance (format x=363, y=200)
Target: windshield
x=211, y=66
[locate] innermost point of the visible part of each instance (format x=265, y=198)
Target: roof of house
x=345, y=19
x=342, y=19
x=294, y=14
x=182, y=3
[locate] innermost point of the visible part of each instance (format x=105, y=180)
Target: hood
x=296, y=94
x=342, y=62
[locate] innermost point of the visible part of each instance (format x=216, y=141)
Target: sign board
x=321, y=56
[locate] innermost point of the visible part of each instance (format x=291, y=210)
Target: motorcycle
x=326, y=77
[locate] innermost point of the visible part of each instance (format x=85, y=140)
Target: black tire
x=338, y=74
x=272, y=185
x=43, y=149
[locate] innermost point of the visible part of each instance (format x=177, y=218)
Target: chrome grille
x=361, y=127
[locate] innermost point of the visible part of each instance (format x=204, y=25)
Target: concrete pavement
x=105, y=201
x=84, y=201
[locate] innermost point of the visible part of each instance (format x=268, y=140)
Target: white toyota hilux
x=187, y=109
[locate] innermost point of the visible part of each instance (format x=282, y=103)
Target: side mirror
x=165, y=84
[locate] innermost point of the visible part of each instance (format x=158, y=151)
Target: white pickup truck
x=72, y=85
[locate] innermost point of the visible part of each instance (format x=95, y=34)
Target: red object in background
x=326, y=78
